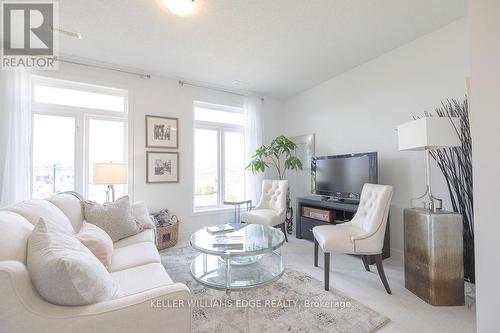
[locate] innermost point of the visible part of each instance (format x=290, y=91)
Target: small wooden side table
x=434, y=269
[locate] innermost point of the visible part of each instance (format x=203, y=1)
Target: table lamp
x=426, y=134
x=110, y=174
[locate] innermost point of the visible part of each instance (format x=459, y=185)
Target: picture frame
x=162, y=132
x=162, y=167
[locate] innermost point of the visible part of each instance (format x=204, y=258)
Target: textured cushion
x=63, y=270
x=113, y=217
x=141, y=214
x=273, y=195
x=33, y=210
x=14, y=233
x=71, y=207
x=97, y=241
x=147, y=235
x=134, y=255
x=261, y=216
x=133, y=280
x=336, y=238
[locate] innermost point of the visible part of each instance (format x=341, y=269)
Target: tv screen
x=343, y=176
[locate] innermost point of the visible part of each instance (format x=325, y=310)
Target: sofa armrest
x=22, y=309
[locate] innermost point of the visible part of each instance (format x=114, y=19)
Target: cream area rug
x=296, y=302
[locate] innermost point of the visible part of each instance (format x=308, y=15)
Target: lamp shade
x=429, y=133
x=110, y=173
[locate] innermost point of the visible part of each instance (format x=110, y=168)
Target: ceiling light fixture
x=179, y=7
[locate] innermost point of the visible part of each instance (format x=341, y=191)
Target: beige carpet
x=295, y=303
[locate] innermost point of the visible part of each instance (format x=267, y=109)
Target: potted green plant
x=281, y=155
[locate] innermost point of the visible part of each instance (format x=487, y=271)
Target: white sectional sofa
x=147, y=288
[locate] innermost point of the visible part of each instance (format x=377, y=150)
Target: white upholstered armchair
x=363, y=235
x=271, y=209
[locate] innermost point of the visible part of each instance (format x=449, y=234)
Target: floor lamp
x=426, y=134
x=110, y=174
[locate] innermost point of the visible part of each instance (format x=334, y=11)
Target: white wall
x=484, y=16
x=165, y=97
x=359, y=110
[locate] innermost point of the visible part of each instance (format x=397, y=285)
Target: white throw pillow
x=113, y=217
x=35, y=209
x=71, y=207
x=63, y=270
x=141, y=214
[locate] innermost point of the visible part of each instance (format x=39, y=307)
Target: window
x=106, y=142
x=219, y=170
x=74, y=126
x=53, y=169
x=78, y=98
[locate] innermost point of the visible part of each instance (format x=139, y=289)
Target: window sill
x=212, y=211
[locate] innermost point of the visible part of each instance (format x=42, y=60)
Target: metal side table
x=434, y=269
x=237, y=208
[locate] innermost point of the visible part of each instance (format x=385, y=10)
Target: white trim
x=212, y=210
x=78, y=86
x=218, y=107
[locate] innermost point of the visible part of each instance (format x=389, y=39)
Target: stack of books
x=220, y=229
x=228, y=241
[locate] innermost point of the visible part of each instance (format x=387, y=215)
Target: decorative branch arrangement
x=456, y=165
x=281, y=154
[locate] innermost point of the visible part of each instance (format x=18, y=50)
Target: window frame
x=82, y=117
x=221, y=129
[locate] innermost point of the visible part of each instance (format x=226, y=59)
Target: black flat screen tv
x=343, y=176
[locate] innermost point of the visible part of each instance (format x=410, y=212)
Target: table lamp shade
x=110, y=173
x=429, y=133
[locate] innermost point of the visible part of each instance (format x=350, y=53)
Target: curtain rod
x=184, y=83
x=147, y=76
x=105, y=67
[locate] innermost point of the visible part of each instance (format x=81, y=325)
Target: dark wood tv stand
x=344, y=213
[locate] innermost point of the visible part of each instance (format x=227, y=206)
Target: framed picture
x=162, y=132
x=162, y=167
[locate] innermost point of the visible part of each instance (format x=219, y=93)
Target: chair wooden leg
x=283, y=228
x=316, y=245
x=380, y=269
x=365, y=262
x=327, y=271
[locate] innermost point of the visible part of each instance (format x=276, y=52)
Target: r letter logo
x=28, y=34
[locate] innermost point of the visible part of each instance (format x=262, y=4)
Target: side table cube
x=434, y=269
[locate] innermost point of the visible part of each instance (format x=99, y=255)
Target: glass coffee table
x=257, y=263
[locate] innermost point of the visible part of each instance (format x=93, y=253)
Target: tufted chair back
x=372, y=214
x=273, y=195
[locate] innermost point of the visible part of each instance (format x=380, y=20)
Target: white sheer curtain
x=254, y=137
x=15, y=136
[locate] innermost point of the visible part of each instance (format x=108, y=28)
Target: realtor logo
x=28, y=39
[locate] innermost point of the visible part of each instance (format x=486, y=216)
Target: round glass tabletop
x=255, y=238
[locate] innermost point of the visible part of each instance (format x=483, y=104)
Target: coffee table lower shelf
x=220, y=273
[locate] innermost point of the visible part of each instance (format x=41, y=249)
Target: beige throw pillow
x=63, y=270
x=113, y=217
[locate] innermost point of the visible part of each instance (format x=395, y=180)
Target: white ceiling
x=277, y=47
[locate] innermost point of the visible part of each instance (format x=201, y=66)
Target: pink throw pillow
x=97, y=241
